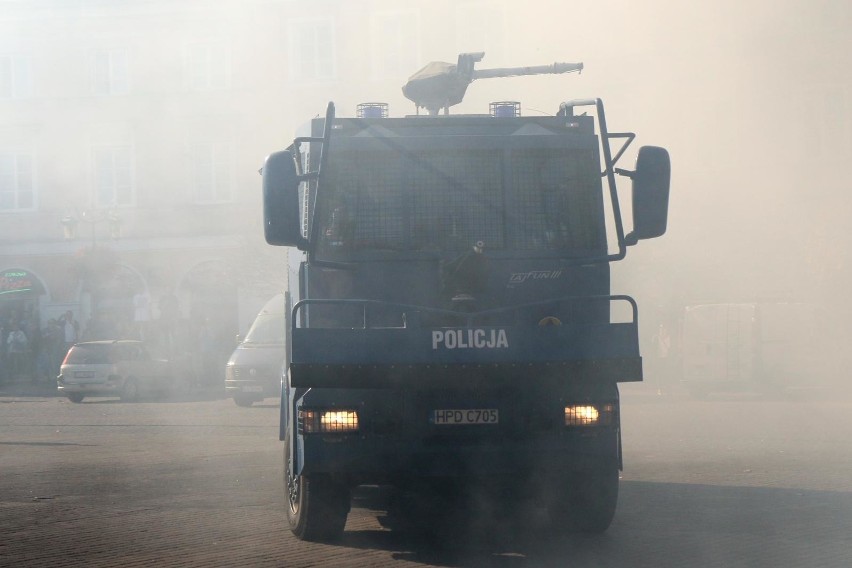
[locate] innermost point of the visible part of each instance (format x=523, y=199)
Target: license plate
x=449, y=417
x=84, y=375
x=252, y=389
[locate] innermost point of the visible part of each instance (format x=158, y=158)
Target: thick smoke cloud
x=754, y=102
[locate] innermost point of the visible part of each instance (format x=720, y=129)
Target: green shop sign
x=19, y=282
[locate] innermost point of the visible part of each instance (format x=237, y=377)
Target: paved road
x=733, y=481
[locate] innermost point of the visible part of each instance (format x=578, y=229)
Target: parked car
x=123, y=368
x=253, y=371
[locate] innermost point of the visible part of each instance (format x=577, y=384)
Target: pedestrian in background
x=50, y=357
x=17, y=349
x=31, y=329
x=70, y=330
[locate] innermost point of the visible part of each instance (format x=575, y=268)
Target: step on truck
x=450, y=325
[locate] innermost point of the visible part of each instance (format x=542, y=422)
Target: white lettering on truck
x=470, y=339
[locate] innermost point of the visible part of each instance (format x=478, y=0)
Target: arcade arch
x=207, y=297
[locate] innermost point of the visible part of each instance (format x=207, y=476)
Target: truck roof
x=462, y=125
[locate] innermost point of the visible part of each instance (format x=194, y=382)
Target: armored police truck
x=450, y=322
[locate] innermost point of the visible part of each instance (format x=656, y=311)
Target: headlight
x=589, y=414
x=318, y=421
x=229, y=372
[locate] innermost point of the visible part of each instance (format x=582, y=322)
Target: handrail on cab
x=467, y=317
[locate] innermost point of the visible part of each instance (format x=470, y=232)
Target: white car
x=122, y=368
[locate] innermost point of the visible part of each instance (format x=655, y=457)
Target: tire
x=130, y=390
x=317, y=506
x=242, y=400
x=587, y=503
x=76, y=397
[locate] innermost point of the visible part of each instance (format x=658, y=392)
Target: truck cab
x=452, y=323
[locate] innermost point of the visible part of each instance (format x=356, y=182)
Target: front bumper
x=377, y=460
x=110, y=388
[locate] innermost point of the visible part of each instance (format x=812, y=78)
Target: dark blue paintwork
x=369, y=327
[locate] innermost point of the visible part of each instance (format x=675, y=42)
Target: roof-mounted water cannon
x=440, y=85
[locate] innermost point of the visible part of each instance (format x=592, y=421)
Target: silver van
x=253, y=371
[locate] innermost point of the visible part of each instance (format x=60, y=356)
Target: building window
x=15, y=77
x=312, y=50
x=113, y=167
x=395, y=41
x=208, y=66
x=111, y=72
x=211, y=167
x=17, y=189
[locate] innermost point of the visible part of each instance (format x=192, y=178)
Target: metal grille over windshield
x=447, y=200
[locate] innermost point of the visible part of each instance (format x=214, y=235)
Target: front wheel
x=586, y=500
x=317, y=506
x=75, y=397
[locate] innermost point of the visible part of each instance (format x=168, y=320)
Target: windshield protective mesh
x=449, y=199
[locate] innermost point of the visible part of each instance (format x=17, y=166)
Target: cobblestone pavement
x=197, y=482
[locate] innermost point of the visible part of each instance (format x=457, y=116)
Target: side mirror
x=281, y=223
x=651, y=181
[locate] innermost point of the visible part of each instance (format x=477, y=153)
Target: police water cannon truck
x=450, y=324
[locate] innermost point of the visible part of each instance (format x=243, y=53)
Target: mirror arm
x=629, y=137
x=630, y=238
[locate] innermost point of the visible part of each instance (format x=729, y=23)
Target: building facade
x=131, y=134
